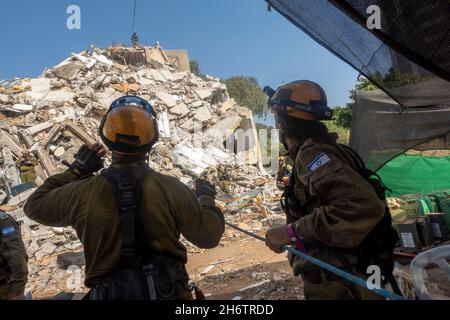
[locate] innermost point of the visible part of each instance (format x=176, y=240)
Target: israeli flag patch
x=8, y=231
x=318, y=161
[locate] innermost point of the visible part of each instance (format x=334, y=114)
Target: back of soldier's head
x=129, y=127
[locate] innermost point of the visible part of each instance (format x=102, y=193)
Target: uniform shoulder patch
x=7, y=231
x=318, y=161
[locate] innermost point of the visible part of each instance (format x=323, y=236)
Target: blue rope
x=356, y=280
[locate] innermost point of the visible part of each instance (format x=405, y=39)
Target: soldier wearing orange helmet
x=129, y=217
x=335, y=209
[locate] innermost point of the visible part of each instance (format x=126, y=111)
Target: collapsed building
x=200, y=126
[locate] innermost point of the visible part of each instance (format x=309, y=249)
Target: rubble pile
x=44, y=121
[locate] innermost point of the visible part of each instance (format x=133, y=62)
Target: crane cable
x=350, y=277
x=134, y=16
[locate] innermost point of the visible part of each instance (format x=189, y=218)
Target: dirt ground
x=241, y=264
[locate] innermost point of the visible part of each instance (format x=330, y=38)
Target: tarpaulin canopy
x=380, y=133
x=413, y=40
x=411, y=174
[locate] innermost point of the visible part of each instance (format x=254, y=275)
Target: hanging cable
x=356, y=280
x=134, y=15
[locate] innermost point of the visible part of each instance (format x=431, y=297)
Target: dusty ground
x=241, y=264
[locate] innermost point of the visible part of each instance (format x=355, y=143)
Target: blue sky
x=227, y=37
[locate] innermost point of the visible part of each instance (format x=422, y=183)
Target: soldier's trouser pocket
x=338, y=290
x=328, y=291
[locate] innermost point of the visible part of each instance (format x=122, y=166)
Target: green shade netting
x=408, y=174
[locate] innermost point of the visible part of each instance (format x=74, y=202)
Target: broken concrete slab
x=188, y=125
x=166, y=74
x=68, y=69
x=196, y=104
x=59, y=152
x=106, y=97
x=202, y=114
x=197, y=160
x=20, y=198
x=79, y=132
x=168, y=99
x=7, y=140
x=41, y=90
x=23, y=107
x=229, y=124
x=26, y=138
x=203, y=93
x=164, y=125
x=11, y=172
x=154, y=75
x=40, y=127
x=46, y=163
x=179, y=110
x=227, y=105
x=51, y=135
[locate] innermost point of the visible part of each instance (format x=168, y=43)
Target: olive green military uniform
x=341, y=209
x=13, y=258
x=26, y=163
x=167, y=209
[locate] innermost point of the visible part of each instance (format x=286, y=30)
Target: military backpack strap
x=289, y=203
x=125, y=183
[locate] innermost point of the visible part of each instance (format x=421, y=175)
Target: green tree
x=342, y=116
x=247, y=93
x=195, y=68
x=393, y=79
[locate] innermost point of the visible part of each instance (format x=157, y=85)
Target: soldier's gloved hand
x=88, y=159
x=276, y=238
x=204, y=188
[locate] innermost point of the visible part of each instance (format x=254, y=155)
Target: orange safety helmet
x=302, y=99
x=129, y=126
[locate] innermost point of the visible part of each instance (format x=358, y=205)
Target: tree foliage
x=195, y=68
x=393, y=79
x=342, y=116
x=247, y=93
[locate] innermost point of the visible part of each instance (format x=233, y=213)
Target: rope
x=356, y=280
x=134, y=15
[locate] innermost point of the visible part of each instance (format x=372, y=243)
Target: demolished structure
x=50, y=117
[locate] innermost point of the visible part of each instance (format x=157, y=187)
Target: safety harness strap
x=126, y=184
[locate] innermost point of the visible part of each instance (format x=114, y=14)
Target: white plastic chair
x=438, y=256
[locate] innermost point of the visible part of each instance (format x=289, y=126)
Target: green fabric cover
x=409, y=174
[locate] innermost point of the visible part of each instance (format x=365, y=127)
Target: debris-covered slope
x=45, y=120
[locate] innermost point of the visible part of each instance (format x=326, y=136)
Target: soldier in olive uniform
x=144, y=259
x=13, y=260
x=333, y=212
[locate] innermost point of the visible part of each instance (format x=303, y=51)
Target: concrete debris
x=180, y=110
x=23, y=107
x=168, y=99
x=258, y=284
x=207, y=269
x=50, y=117
x=203, y=114
x=203, y=94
